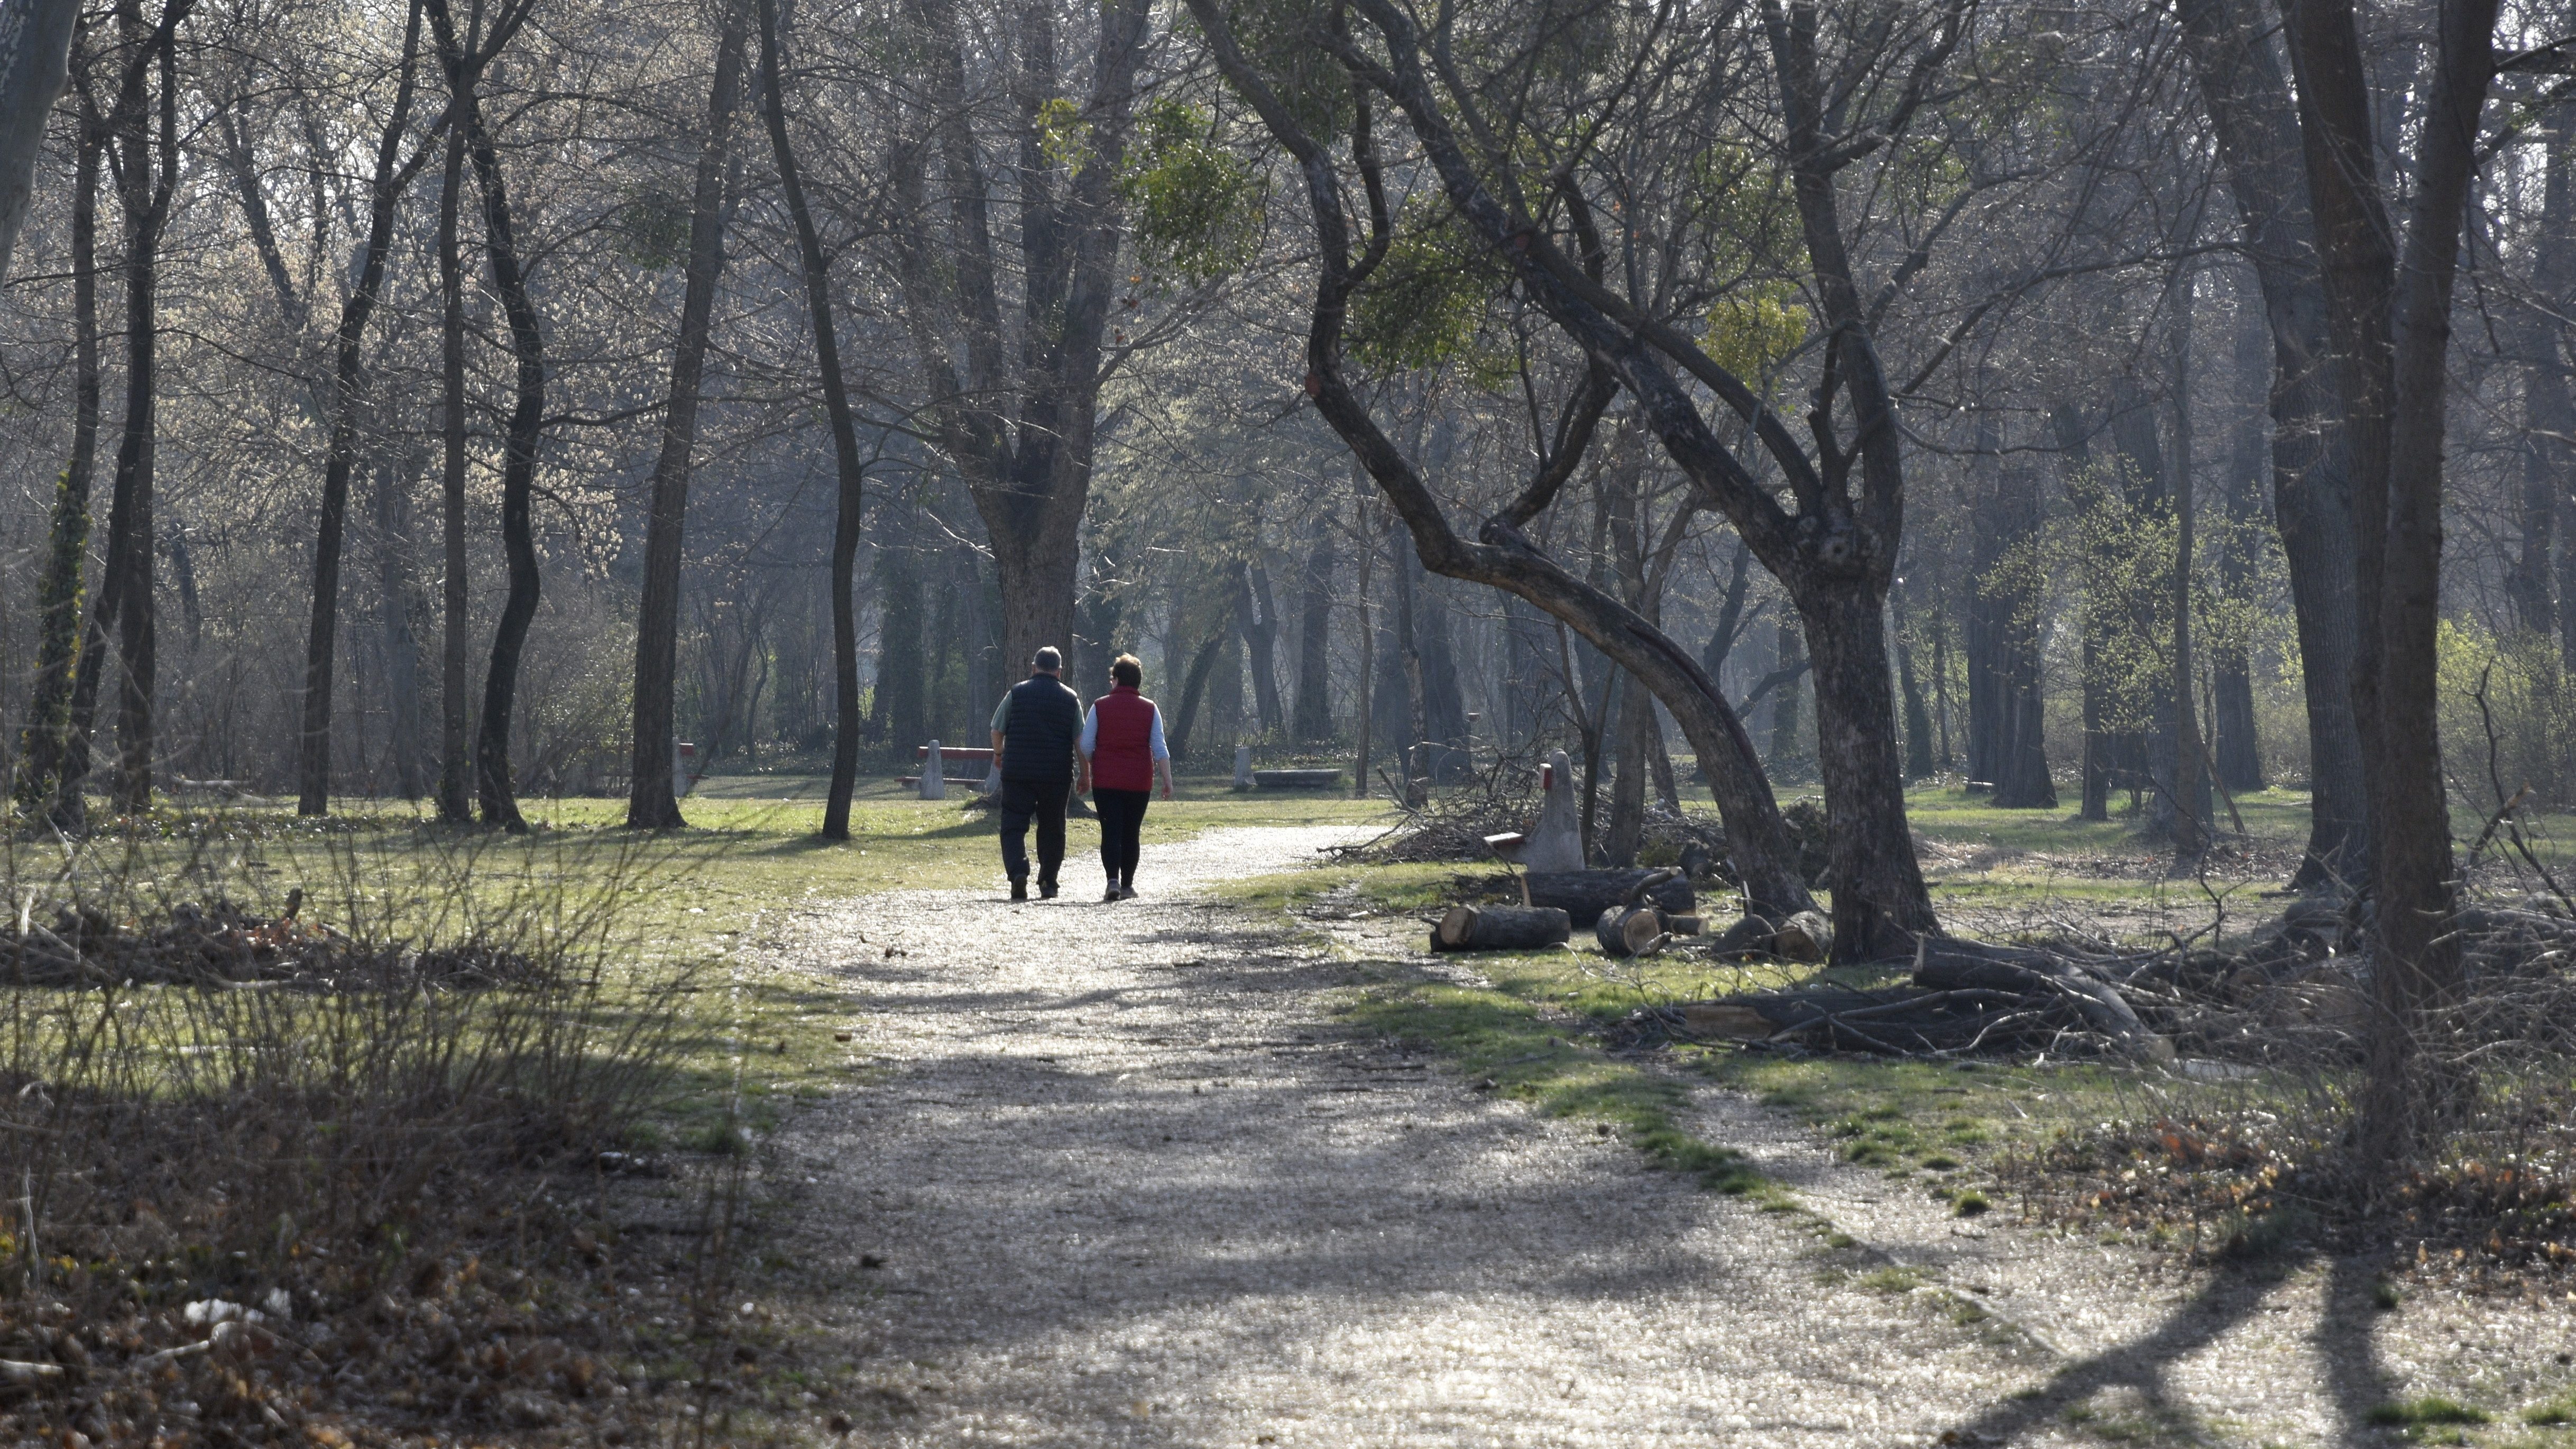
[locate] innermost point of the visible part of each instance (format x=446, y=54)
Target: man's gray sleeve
x=1002, y=714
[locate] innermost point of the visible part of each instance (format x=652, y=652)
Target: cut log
x=1584, y=894
x=1501, y=928
x=1805, y=936
x=1630, y=931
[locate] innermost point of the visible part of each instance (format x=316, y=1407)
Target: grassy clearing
x=1938, y=1123
x=701, y=901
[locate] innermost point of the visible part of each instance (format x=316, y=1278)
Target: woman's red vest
x=1122, y=756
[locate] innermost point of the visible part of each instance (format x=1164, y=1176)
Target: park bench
x=955, y=763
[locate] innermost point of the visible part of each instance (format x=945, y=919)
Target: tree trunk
x=340, y=453
x=845, y=442
x=394, y=485
x=1366, y=729
x=1314, y=719
x=1788, y=754
x=455, y=718
x=1029, y=468
x=48, y=741
x=2191, y=814
x=2260, y=138
x=1627, y=827
x=1880, y=901
x=1918, y=720
x=35, y=63
x=495, y=792
x=2239, y=750
x=650, y=803
x=2549, y=447
x=125, y=601
x=2391, y=324
x=1257, y=619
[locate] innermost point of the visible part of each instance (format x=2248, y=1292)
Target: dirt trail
x=1127, y=1182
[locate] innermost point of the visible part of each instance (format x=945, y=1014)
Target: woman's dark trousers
x=1122, y=819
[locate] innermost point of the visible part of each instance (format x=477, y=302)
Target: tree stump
x=1584, y=894
x=1555, y=843
x=1500, y=928
x=1630, y=931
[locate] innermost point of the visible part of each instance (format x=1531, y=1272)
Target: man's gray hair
x=1047, y=660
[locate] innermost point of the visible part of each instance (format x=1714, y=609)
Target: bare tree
x=650, y=804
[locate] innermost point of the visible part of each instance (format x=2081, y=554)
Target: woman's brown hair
x=1128, y=670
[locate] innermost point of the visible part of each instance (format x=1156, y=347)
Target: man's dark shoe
x=1046, y=890
x=1112, y=892
x=1019, y=889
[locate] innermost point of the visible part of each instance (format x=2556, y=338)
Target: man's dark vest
x=1045, y=720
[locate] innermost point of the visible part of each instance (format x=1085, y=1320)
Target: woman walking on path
x=1122, y=755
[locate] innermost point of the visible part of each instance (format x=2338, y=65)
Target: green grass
x=2429, y=1410
x=756, y=1034
x=2554, y=1413
x=1504, y=1045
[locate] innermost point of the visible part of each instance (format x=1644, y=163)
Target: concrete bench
x=1296, y=779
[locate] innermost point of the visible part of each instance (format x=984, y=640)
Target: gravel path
x=1126, y=1181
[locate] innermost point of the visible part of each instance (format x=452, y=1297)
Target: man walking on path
x=1033, y=735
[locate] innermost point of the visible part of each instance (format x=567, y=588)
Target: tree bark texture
x=35, y=63
x=47, y=743
x=2391, y=325
x=455, y=713
x=650, y=803
x=2261, y=141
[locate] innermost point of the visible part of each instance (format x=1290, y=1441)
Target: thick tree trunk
x=1314, y=718
x=1022, y=434
x=1627, y=827
x=35, y=63
x=1880, y=901
x=845, y=444
x=650, y=803
x=455, y=716
x=48, y=741
x=2391, y=323
x=340, y=452
x=125, y=600
x=2260, y=138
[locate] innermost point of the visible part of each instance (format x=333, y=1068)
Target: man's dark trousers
x=1042, y=800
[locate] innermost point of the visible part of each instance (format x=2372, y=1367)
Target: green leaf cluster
x=1194, y=207
x=1425, y=304
x=1753, y=329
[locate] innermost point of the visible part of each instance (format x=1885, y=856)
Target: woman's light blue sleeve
x=1161, y=751
x=1091, y=729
